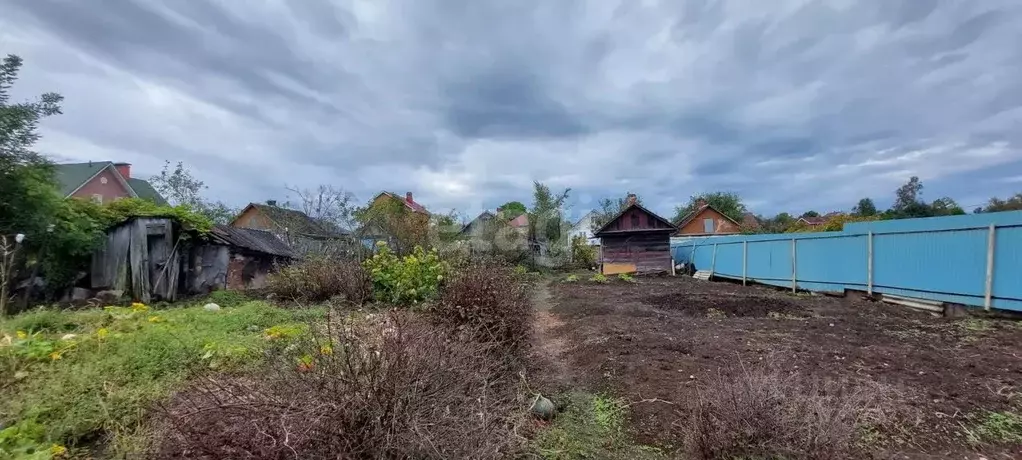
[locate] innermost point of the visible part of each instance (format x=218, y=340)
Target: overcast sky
x=795, y=105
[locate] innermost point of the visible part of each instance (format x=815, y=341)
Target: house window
x=635, y=221
x=708, y=225
x=97, y=198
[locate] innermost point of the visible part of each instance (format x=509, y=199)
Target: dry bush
x=764, y=412
x=319, y=279
x=487, y=301
x=397, y=388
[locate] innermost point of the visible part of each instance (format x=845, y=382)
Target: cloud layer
x=796, y=105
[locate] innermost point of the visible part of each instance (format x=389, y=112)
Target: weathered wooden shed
x=151, y=258
x=635, y=241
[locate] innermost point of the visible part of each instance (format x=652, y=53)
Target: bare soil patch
x=660, y=337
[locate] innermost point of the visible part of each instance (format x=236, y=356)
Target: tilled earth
x=656, y=339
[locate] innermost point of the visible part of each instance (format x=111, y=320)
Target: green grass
x=995, y=428
x=590, y=426
x=88, y=378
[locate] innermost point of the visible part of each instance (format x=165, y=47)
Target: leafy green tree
x=995, y=204
x=547, y=228
x=809, y=213
x=778, y=224
x=727, y=203
x=864, y=208
x=179, y=187
x=28, y=193
x=610, y=207
x=908, y=197
x=512, y=209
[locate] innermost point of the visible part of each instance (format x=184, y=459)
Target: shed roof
x=251, y=239
x=603, y=230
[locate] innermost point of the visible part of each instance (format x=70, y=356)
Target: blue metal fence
x=972, y=260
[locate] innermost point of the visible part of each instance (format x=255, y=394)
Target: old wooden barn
x=150, y=258
x=635, y=241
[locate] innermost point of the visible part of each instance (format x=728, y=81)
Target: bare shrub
x=764, y=412
x=487, y=301
x=318, y=279
x=396, y=388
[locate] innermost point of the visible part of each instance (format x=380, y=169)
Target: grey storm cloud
x=794, y=104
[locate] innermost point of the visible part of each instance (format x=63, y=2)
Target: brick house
x=706, y=220
x=103, y=182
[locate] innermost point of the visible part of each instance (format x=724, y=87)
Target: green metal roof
x=70, y=176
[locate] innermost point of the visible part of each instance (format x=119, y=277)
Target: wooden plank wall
x=648, y=252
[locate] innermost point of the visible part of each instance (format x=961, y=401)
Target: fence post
x=794, y=268
x=869, y=263
x=745, y=260
x=713, y=261
x=988, y=298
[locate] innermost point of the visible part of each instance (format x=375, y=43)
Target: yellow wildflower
x=138, y=306
x=102, y=333
x=156, y=319
x=57, y=450
x=56, y=355
x=326, y=350
x=22, y=335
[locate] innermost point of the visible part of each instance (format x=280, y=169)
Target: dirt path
x=551, y=345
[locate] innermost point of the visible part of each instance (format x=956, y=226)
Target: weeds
x=112, y=364
x=394, y=388
x=626, y=278
x=590, y=426
x=995, y=428
x=765, y=413
x=321, y=279
x=715, y=313
x=487, y=302
x=571, y=279
x=599, y=278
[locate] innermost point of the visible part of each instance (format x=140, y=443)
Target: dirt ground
x=659, y=337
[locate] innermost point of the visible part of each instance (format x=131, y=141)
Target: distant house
x=103, y=182
x=817, y=221
x=302, y=233
x=376, y=230
x=476, y=225
x=750, y=223
x=636, y=240
x=584, y=227
x=707, y=220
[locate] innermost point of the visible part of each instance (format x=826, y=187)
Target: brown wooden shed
x=635, y=241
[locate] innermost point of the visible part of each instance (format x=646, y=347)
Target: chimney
x=271, y=202
x=631, y=199
x=408, y=197
x=700, y=203
x=124, y=169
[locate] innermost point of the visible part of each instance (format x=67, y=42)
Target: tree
x=945, y=207
x=179, y=187
x=512, y=209
x=546, y=222
x=908, y=197
x=727, y=203
x=331, y=206
x=809, y=214
x=391, y=221
x=28, y=193
x=777, y=224
x=864, y=208
x=995, y=204
x=610, y=207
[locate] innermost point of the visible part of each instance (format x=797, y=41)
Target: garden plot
x=945, y=387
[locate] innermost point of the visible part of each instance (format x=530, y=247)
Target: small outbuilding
x=156, y=258
x=635, y=241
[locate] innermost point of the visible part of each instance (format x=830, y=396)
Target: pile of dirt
x=730, y=306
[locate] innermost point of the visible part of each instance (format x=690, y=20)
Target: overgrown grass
x=590, y=426
x=86, y=379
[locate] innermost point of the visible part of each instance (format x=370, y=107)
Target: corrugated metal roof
x=252, y=239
